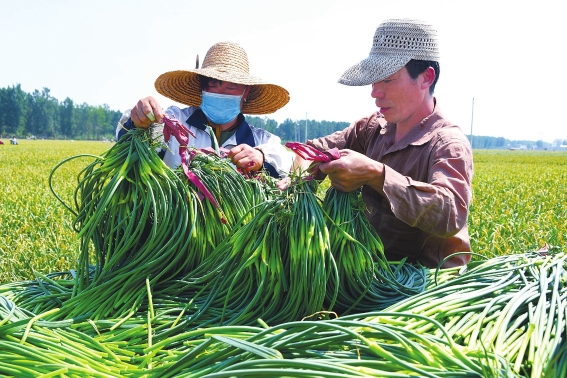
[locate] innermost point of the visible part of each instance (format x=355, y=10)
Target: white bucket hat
x=226, y=61
x=395, y=43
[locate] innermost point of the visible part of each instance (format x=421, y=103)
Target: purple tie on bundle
x=173, y=127
x=310, y=153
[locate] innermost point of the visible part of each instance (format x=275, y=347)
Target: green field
x=519, y=204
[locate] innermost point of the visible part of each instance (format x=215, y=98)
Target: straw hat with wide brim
x=224, y=61
x=395, y=43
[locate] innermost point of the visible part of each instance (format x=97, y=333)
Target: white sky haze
x=505, y=54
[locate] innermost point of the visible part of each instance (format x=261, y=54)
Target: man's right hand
x=354, y=170
x=146, y=112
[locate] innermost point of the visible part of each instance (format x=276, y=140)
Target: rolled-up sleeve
x=439, y=206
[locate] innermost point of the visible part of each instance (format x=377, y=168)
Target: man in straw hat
x=217, y=95
x=414, y=166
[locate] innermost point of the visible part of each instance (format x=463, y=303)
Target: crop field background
x=519, y=204
x=36, y=231
x=519, y=201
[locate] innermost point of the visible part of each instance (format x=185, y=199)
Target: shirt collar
x=243, y=132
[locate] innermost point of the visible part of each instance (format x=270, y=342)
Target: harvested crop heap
x=204, y=271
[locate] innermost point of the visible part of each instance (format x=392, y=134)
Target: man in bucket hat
x=414, y=166
x=217, y=95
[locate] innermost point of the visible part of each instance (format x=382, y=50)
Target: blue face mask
x=220, y=108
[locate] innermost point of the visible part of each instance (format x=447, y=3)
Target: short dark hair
x=416, y=67
x=204, y=81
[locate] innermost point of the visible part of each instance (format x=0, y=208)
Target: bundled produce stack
x=203, y=271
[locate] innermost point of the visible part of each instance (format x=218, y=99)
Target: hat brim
x=184, y=87
x=373, y=69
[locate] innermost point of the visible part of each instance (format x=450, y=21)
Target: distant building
x=559, y=143
x=518, y=147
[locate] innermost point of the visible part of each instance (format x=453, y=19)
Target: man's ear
x=428, y=77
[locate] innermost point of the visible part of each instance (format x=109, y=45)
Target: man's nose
x=376, y=92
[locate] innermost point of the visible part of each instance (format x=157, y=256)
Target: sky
x=498, y=57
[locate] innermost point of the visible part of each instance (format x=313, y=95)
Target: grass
x=519, y=204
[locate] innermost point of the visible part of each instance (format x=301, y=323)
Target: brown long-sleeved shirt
x=428, y=175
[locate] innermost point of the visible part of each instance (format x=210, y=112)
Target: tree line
x=488, y=142
x=308, y=129
x=301, y=130
x=40, y=115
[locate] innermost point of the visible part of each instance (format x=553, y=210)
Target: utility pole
x=472, y=121
x=305, y=126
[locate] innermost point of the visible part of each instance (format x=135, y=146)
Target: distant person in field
x=218, y=94
x=415, y=167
